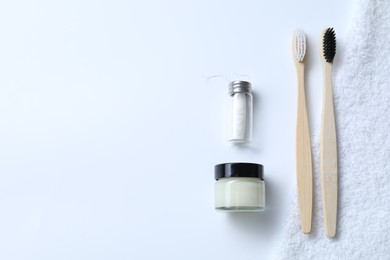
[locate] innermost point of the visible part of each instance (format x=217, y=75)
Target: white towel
x=362, y=107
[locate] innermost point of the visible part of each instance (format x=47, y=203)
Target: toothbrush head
x=299, y=45
x=329, y=44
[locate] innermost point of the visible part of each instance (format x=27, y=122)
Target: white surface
x=109, y=128
x=362, y=109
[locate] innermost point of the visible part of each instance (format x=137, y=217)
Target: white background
x=110, y=124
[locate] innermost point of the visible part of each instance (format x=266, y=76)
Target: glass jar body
x=240, y=194
x=241, y=118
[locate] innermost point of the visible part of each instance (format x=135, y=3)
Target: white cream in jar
x=240, y=187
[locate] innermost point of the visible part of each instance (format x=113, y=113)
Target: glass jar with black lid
x=239, y=187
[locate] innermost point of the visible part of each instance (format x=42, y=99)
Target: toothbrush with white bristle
x=304, y=166
x=328, y=147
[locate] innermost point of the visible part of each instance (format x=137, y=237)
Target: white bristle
x=299, y=45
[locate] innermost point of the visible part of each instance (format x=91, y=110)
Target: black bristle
x=329, y=44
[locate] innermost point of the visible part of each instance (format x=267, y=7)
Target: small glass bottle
x=239, y=187
x=241, y=114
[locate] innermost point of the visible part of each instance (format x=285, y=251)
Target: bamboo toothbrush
x=303, y=147
x=328, y=147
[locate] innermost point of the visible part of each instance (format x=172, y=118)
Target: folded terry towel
x=362, y=107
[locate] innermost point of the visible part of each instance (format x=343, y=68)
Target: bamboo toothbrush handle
x=303, y=154
x=328, y=162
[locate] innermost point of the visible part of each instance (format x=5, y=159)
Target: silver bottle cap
x=239, y=86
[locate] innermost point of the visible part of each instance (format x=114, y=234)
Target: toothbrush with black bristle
x=304, y=170
x=328, y=146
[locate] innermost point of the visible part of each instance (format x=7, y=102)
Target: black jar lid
x=248, y=170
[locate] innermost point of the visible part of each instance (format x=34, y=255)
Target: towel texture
x=362, y=107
